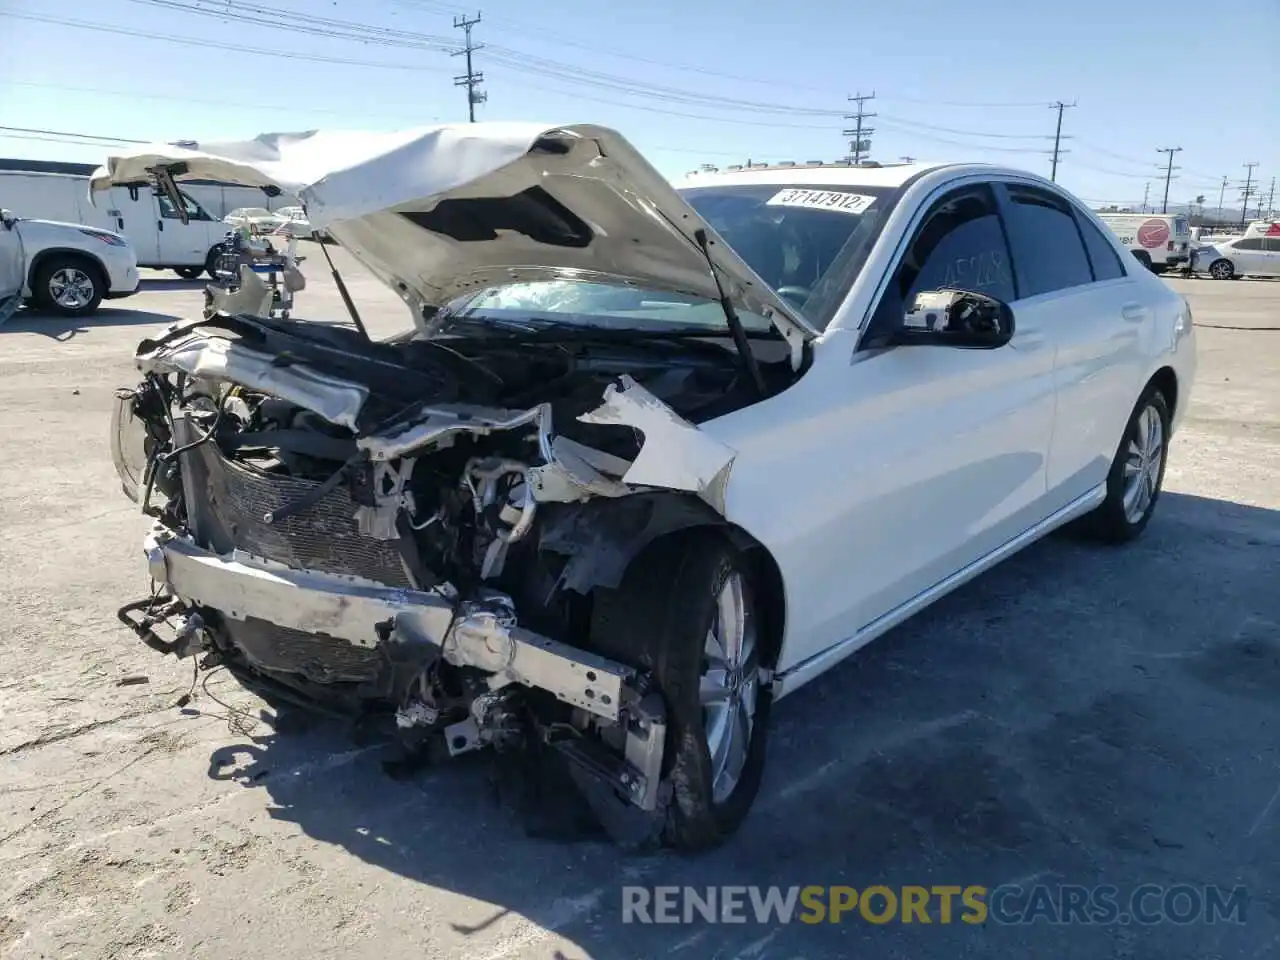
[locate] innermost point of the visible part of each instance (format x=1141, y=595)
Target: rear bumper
x=481, y=634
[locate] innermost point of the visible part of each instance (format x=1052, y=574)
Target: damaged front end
x=418, y=526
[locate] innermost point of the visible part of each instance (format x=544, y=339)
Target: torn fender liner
x=676, y=455
x=600, y=537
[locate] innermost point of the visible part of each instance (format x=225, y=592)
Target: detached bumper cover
x=472, y=634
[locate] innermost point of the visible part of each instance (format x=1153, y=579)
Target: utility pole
x=472, y=78
x=1168, y=175
x=1271, y=196
x=860, y=130
x=1146, y=192
x=1221, y=192
x=1248, y=191
x=906, y=159
x=1057, y=136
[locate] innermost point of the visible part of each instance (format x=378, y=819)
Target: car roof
x=826, y=174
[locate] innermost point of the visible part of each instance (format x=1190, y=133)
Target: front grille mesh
x=322, y=536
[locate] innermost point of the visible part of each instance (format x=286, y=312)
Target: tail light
x=1170, y=244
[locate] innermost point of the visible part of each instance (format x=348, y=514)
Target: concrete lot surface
x=1077, y=716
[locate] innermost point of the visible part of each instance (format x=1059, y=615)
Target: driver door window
x=194, y=210
x=960, y=245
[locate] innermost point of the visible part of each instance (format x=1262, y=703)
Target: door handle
x=1133, y=312
x=119, y=223
x=160, y=225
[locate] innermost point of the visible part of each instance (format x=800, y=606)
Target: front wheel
x=1137, y=473
x=685, y=613
x=69, y=285
x=1222, y=270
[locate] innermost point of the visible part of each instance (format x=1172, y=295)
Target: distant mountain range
x=1209, y=213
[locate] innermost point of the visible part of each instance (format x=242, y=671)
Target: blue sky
x=954, y=80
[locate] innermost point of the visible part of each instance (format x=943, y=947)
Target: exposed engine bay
x=420, y=525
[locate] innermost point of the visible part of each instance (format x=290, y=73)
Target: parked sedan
x=258, y=219
x=295, y=222
x=651, y=458
x=1238, y=257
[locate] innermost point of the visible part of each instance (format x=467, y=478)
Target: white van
x=150, y=222
x=1157, y=240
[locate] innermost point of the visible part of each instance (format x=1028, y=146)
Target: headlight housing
x=110, y=239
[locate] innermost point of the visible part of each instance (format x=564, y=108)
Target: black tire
x=51, y=276
x=1143, y=258
x=188, y=273
x=657, y=621
x=1110, y=522
x=211, y=261
x=1222, y=269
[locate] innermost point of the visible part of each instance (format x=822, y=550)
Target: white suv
x=64, y=268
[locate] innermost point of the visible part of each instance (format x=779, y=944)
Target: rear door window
x=1048, y=250
x=1102, y=256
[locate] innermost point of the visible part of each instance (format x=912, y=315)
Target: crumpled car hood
x=443, y=211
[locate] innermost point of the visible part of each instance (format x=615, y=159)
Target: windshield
x=806, y=242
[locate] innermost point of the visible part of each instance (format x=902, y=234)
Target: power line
x=1057, y=135
x=472, y=78
x=967, y=133
x=857, y=145
x=890, y=125
x=215, y=45
x=515, y=59
x=64, y=133
x=1168, y=174
x=147, y=95
x=528, y=29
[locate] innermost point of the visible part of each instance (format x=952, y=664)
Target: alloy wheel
x=71, y=288
x=1143, y=460
x=729, y=687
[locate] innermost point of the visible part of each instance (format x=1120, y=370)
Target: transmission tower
x=472, y=78
x=857, y=144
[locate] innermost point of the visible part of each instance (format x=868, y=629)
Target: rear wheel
x=211, y=261
x=188, y=273
x=1137, y=473
x=685, y=613
x=69, y=285
x=1222, y=270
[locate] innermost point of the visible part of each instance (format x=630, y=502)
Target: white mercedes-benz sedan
x=650, y=458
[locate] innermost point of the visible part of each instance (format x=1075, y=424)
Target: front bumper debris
x=479, y=634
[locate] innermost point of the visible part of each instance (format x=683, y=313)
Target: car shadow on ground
x=1080, y=714
x=157, y=284
x=61, y=328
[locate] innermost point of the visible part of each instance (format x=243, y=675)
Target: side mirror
x=955, y=318
x=7, y=219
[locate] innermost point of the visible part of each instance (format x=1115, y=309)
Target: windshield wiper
x=736, y=330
